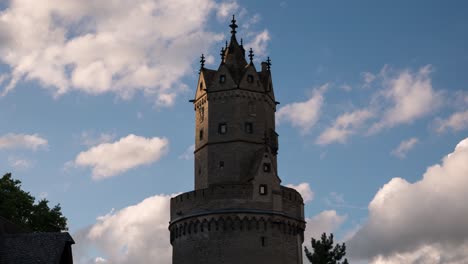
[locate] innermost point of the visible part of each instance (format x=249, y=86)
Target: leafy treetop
x=324, y=252
x=18, y=207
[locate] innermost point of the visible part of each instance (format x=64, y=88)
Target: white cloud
x=428, y=254
x=404, y=147
x=188, y=153
x=304, y=189
x=327, y=221
x=226, y=9
x=114, y=46
x=344, y=126
x=259, y=44
x=135, y=234
x=368, y=78
x=90, y=139
x=23, y=141
x=346, y=87
x=457, y=121
x=408, y=220
x=110, y=159
x=335, y=199
x=303, y=115
x=19, y=163
x=406, y=97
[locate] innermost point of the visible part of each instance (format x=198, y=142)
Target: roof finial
x=226, y=45
x=242, y=41
x=222, y=54
x=268, y=63
x=251, y=55
x=202, y=62
x=233, y=25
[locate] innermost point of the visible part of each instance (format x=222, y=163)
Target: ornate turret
x=239, y=212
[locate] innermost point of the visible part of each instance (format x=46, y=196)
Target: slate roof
x=34, y=248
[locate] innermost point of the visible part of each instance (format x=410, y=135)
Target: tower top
x=233, y=26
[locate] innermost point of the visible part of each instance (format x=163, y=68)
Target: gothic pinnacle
x=233, y=26
x=202, y=62
x=222, y=54
x=268, y=63
x=251, y=55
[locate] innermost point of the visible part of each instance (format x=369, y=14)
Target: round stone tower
x=238, y=212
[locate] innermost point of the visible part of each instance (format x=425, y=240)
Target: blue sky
x=370, y=92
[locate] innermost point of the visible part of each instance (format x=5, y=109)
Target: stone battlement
x=233, y=197
x=236, y=223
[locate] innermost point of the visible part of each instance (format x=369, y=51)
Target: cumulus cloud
x=22, y=141
x=421, y=222
x=304, y=189
x=110, y=159
x=344, y=126
x=303, y=115
x=407, y=96
x=327, y=221
x=404, y=147
x=135, y=234
x=109, y=46
x=458, y=121
x=259, y=43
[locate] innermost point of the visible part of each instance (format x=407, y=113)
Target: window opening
x=266, y=167
x=250, y=78
x=248, y=127
x=201, y=134
x=263, y=189
x=221, y=164
x=222, y=78
x=222, y=128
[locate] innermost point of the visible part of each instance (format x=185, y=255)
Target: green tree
x=324, y=252
x=18, y=207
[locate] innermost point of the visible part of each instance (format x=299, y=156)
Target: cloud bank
x=421, y=222
x=109, y=46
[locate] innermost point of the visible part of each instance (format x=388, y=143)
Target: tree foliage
x=18, y=207
x=324, y=252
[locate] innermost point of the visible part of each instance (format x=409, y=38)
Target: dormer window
x=262, y=190
x=266, y=167
x=222, y=128
x=222, y=78
x=248, y=127
x=250, y=78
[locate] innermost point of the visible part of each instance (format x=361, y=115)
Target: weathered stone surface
x=238, y=212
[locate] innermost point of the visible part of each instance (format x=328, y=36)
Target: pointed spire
x=233, y=26
x=202, y=62
x=268, y=63
x=223, y=50
x=251, y=55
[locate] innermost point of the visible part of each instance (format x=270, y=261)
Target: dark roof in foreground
x=37, y=248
